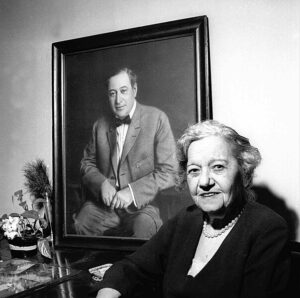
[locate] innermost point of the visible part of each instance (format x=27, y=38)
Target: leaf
x=40, y=200
x=4, y=216
x=31, y=214
x=24, y=205
x=43, y=223
x=18, y=193
x=44, y=248
x=14, y=215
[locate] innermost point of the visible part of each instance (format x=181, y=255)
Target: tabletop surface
x=64, y=275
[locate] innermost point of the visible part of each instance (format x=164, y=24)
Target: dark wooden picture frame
x=173, y=65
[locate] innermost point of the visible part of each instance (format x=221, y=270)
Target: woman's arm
x=146, y=265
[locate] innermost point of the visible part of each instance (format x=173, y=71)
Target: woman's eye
x=218, y=167
x=193, y=171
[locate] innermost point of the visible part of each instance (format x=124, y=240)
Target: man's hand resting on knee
x=122, y=199
x=107, y=192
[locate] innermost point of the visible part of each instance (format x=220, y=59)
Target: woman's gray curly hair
x=248, y=157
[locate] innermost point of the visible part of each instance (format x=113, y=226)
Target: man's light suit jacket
x=148, y=159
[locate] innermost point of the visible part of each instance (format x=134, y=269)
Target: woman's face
x=211, y=173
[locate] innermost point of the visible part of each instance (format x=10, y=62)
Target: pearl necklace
x=222, y=231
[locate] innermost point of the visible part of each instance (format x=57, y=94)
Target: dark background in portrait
x=166, y=79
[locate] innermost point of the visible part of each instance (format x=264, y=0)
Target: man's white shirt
x=121, y=136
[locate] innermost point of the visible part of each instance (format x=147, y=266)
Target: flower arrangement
x=25, y=225
x=32, y=223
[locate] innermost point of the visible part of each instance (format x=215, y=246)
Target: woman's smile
x=208, y=194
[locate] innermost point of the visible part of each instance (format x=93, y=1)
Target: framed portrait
x=172, y=64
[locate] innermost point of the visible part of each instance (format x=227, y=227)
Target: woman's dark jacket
x=253, y=260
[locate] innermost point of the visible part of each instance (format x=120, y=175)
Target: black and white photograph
x=150, y=148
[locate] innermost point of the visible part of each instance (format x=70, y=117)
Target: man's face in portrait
x=121, y=94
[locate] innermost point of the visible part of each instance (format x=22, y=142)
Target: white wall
x=255, y=75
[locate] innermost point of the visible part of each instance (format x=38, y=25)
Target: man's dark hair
x=132, y=76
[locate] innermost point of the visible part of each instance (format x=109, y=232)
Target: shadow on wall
x=266, y=197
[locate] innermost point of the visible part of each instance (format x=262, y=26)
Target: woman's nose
x=205, y=178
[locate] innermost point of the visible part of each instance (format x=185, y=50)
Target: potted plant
x=23, y=230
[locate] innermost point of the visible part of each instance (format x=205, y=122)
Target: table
x=74, y=279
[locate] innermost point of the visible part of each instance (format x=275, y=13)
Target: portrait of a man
x=128, y=161
x=121, y=101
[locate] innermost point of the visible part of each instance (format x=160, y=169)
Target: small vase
x=23, y=247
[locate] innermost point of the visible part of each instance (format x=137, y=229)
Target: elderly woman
x=226, y=244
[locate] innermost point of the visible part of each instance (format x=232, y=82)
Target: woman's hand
x=108, y=293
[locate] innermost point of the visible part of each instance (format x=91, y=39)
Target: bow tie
x=126, y=120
